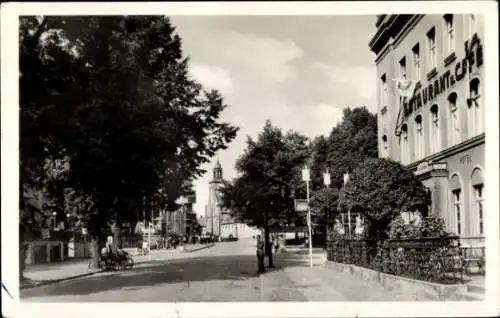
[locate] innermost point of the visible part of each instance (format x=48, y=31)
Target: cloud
x=271, y=68
x=212, y=77
x=309, y=120
x=264, y=57
x=249, y=56
x=360, y=80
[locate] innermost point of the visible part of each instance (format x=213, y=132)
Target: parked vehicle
x=121, y=262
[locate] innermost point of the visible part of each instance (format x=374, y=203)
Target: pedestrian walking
x=260, y=254
x=276, y=244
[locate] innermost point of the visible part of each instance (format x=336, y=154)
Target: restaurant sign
x=430, y=91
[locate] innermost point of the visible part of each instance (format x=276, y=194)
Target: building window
x=416, y=61
x=478, y=207
x=454, y=127
x=478, y=200
x=457, y=210
x=431, y=48
x=419, y=138
x=405, y=150
x=450, y=33
x=475, y=110
x=385, y=146
x=435, y=140
x=402, y=68
x=471, y=25
x=383, y=85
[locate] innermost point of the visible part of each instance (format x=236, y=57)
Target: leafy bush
x=433, y=227
x=430, y=226
x=381, y=189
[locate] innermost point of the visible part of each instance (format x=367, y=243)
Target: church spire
x=218, y=171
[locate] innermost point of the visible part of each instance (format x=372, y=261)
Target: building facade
x=219, y=221
x=438, y=131
x=182, y=220
x=213, y=210
x=230, y=228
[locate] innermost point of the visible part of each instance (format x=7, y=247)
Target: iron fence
x=430, y=259
x=473, y=252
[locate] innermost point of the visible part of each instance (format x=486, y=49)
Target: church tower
x=214, y=212
x=217, y=172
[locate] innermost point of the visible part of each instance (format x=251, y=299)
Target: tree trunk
x=116, y=230
x=94, y=250
x=22, y=253
x=266, y=239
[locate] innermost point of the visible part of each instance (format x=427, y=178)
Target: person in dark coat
x=260, y=254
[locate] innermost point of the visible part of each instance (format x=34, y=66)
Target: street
x=225, y=272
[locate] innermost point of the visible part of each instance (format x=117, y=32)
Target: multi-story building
x=438, y=131
x=182, y=220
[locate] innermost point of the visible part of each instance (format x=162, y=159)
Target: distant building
x=214, y=209
x=217, y=219
x=182, y=220
x=438, y=131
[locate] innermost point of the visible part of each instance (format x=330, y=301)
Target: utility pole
x=309, y=223
x=307, y=178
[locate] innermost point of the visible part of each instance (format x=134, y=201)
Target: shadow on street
x=152, y=273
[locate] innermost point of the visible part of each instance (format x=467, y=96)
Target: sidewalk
x=41, y=274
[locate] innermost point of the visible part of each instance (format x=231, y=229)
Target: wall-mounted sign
x=427, y=93
x=439, y=166
x=466, y=159
x=423, y=166
x=301, y=205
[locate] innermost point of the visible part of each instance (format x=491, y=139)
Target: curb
x=55, y=281
x=200, y=248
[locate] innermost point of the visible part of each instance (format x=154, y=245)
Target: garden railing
x=430, y=259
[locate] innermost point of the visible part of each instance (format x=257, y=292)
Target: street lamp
x=326, y=178
x=306, y=177
x=54, y=214
x=346, y=179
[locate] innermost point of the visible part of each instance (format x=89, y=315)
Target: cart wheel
x=129, y=263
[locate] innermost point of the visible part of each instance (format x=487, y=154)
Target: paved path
x=226, y=272
x=43, y=273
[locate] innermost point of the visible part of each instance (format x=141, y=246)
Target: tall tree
x=349, y=143
x=269, y=174
x=113, y=95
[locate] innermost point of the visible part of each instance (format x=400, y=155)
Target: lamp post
x=54, y=217
x=346, y=179
x=306, y=176
x=68, y=221
x=327, y=182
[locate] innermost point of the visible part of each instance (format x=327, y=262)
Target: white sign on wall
x=300, y=205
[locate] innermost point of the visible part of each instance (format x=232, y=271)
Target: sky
x=297, y=71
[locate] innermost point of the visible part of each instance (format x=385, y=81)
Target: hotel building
x=438, y=131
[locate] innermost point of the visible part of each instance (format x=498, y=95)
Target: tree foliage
x=348, y=144
x=382, y=189
x=429, y=227
x=112, y=95
x=324, y=207
x=269, y=178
